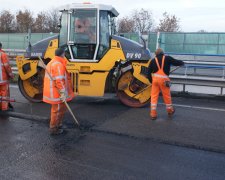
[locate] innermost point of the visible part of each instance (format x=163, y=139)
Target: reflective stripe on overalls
x=158, y=84
x=2, y=66
x=3, y=73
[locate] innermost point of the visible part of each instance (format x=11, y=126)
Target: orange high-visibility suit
x=158, y=84
x=5, y=75
x=160, y=81
x=51, y=93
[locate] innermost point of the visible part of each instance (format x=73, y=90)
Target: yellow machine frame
x=89, y=78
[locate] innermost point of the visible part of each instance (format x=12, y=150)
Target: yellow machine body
x=91, y=77
x=120, y=66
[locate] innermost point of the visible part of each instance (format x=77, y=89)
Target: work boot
x=55, y=131
x=153, y=115
x=171, y=112
x=153, y=118
x=62, y=126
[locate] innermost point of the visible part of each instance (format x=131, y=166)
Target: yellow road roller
x=99, y=61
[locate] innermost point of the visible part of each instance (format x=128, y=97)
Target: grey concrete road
x=116, y=142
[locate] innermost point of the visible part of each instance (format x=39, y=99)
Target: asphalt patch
x=193, y=128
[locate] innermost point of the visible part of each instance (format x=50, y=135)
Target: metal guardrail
x=203, y=77
x=12, y=53
x=220, y=58
x=14, y=70
x=198, y=70
x=218, y=73
x=194, y=54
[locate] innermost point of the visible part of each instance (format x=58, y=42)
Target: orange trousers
x=4, y=94
x=158, y=85
x=57, y=114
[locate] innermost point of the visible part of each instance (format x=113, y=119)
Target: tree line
x=143, y=21
x=22, y=20
x=47, y=21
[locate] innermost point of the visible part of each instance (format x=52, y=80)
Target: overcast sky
x=194, y=15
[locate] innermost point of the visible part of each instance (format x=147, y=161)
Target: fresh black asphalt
x=116, y=142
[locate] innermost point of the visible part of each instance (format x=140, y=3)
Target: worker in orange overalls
x=57, y=91
x=159, y=70
x=5, y=75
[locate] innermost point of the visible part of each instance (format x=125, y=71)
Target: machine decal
x=133, y=55
x=36, y=54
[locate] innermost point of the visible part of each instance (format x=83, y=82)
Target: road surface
x=115, y=142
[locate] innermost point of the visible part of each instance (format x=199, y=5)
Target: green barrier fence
x=132, y=36
x=193, y=43
x=20, y=40
x=186, y=43
x=152, y=40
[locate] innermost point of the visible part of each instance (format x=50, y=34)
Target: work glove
x=62, y=96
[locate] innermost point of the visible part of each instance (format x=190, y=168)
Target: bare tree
x=41, y=23
x=7, y=22
x=125, y=25
x=202, y=31
x=24, y=20
x=143, y=20
x=169, y=23
x=53, y=20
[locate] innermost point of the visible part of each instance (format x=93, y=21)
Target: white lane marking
x=198, y=107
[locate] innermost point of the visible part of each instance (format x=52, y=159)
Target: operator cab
x=85, y=31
